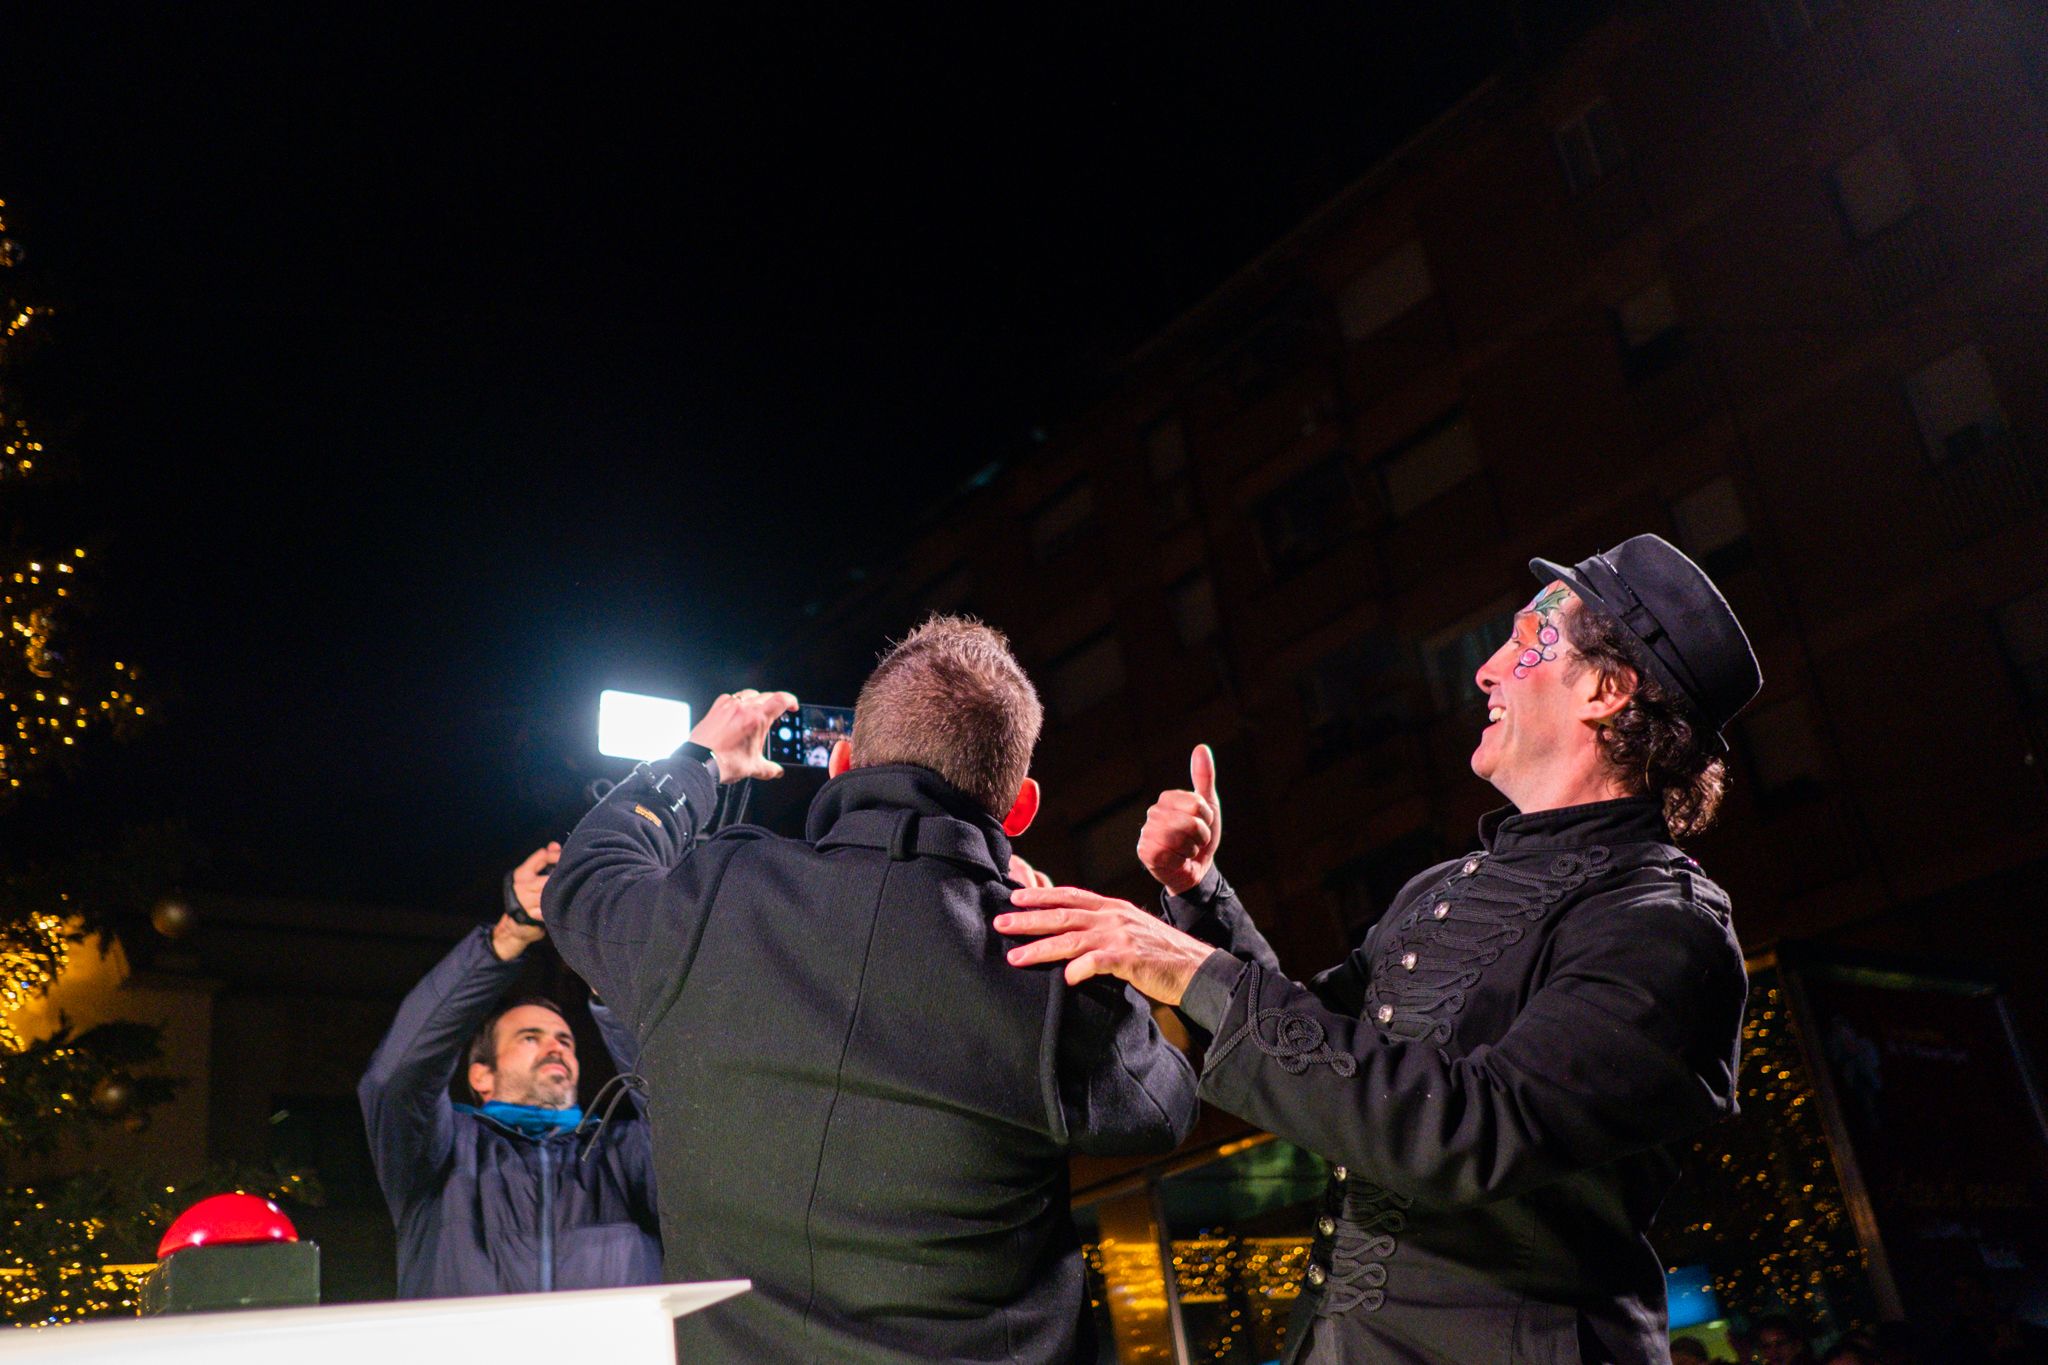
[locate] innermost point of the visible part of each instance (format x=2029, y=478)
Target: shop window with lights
x=1375, y=297
x=1059, y=525
x=1590, y=147
x=2022, y=626
x=1084, y=677
x=1955, y=403
x=1712, y=528
x=1651, y=339
x=1874, y=189
x=1309, y=515
x=1428, y=465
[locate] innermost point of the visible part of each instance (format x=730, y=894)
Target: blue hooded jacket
x=481, y=1208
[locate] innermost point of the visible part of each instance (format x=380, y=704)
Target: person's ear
x=1023, y=810
x=841, y=759
x=1609, y=696
x=482, y=1080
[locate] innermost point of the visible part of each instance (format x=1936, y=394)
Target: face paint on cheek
x=1547, y=605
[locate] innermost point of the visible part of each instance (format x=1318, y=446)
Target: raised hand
x=510, y=938
x=1024, y=874
x=735, y=730
x=1184, y=828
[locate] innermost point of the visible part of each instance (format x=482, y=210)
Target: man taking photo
x=858, y=1105
x=504, y=1196
x=1500, y=1072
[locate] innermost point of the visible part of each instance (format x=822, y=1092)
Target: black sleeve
x=404, y=1093
x=1629, y=1042
x=1212, y=912
x=1123, y=1088
x=624, y=875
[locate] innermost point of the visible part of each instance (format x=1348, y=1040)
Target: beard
x=551, y=1089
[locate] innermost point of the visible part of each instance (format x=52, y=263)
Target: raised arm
x=1124, y=1089
x=404, y=1093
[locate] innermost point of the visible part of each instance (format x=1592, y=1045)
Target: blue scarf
x=530, y=1119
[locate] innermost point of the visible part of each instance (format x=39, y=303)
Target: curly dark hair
x=1653, y=743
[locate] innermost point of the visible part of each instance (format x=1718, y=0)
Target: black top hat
x=1690, y=641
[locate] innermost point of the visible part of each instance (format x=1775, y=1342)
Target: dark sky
x=427, y=373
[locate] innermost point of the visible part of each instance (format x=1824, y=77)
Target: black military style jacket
x=857, y=1103
x=1498, y=1073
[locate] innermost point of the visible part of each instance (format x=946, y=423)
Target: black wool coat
x=858, y=1104
x=1499, y=1074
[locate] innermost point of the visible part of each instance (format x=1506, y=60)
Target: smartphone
x=804, y=737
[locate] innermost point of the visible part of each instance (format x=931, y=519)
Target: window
x=1365, y=886
x=1384, y=292
x=1107, y=845
x=1955, y=401
x=2023, y=633
x=1783, y=748
x=1166, y=455
x=1791, y=20
x=1451, y=656
x=1712, y=528
x=1193, y=603
x=1090, y=673
x=1874, y=188
x=1061, y=521
x=1353, y=697
x=1590, y=146
x=1651, y=339
x=1431, y=464
x=1308, y=515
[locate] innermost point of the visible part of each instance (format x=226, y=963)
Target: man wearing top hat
x=1499, y=1074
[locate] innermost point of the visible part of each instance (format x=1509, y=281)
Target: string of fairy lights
x=46, y=711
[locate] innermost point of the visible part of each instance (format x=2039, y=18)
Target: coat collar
x=867, y=807
x=1631, y=820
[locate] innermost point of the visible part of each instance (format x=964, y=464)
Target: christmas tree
x=73, y=1245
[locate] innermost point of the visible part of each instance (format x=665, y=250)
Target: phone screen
x=804, y=737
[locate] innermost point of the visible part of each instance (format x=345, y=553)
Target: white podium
x=626, y=1326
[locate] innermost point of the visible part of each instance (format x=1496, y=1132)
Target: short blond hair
x=951, y=697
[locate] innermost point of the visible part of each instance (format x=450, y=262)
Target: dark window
x=1784, y=748
x=1166, y=456
x=1383, y=292
x=1365, y=886
x=1874, y=188
x=1308, y=515
x=2023, y=633
x=1590, y=146
x=1354, y=697
x=1084, y=676
x=1792, y=20
x=1452, y=655
x=1061, y=522
x=1955, y=402
x=1107, y=845
x=1428, y=465
x=1712, y=528
x=1193, y=603
x=1651, y=339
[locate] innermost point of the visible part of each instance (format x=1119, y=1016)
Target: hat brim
x=1713, y=741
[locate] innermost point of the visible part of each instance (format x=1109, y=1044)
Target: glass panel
x=1240, y=1227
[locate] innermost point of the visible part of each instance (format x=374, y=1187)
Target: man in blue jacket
x=859, y=1106
x=515, y=1193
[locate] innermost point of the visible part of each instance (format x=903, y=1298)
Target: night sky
x=426, y=374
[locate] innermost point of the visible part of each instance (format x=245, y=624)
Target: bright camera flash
x=630, y=725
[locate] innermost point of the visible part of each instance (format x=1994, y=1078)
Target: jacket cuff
x=1206, y=1001
x=1198, y=902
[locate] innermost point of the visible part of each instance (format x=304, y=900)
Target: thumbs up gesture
x=1183, y=828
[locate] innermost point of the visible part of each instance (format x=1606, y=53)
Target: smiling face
x=1540, y=746
x=536, y=1062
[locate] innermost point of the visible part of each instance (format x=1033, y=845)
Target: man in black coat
x=504, y=1196
x=857, y=1104
x=1500, y=1072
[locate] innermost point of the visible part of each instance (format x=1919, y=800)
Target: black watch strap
x=515, y=909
